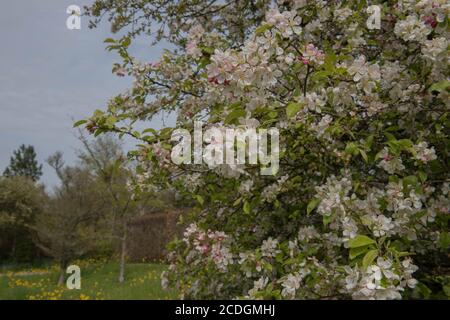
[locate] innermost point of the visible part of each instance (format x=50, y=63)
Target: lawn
x=98, y=281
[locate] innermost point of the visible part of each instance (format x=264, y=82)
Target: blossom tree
x=359, y=207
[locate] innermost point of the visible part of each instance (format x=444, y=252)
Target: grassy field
x=98, y=281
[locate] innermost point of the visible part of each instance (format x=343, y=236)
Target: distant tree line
x=87, y=214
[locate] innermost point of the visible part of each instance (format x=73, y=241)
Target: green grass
x=98, y=281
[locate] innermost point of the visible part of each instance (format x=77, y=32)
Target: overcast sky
x=49, y=75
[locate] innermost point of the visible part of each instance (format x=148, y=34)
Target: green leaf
x=369, y=141
x=359, y=241
x=165, y=133
x=268, y=266
x=390, y=137
x=405, y=143
x=247, y=207
x=263, y=28
x=292, y=109
x=362, y=4
x=446, y=290
x=98, y=113
x=410, y=181
x=273, y=114
x=369, y=258
x=422, y=176
x=151, y=130
x=319, y=75
x=440, y=86
x=326, y=220
x=355, y=252
x=208, y=51
x=444, y=240
x=111, y=121
x=98, y=132
x=403, y=254
x=424, y=290
x=331, y=57
x=312, y=205
x=126, y=42
x=351, y=148
x=79, y=123
x=233, y=115
x=200, y=199
x=364, y=155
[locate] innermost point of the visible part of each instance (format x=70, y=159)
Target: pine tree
x=24, y=163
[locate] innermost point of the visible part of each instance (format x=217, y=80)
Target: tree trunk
x=62, y=273
x=13, y=246
x=123, y=253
